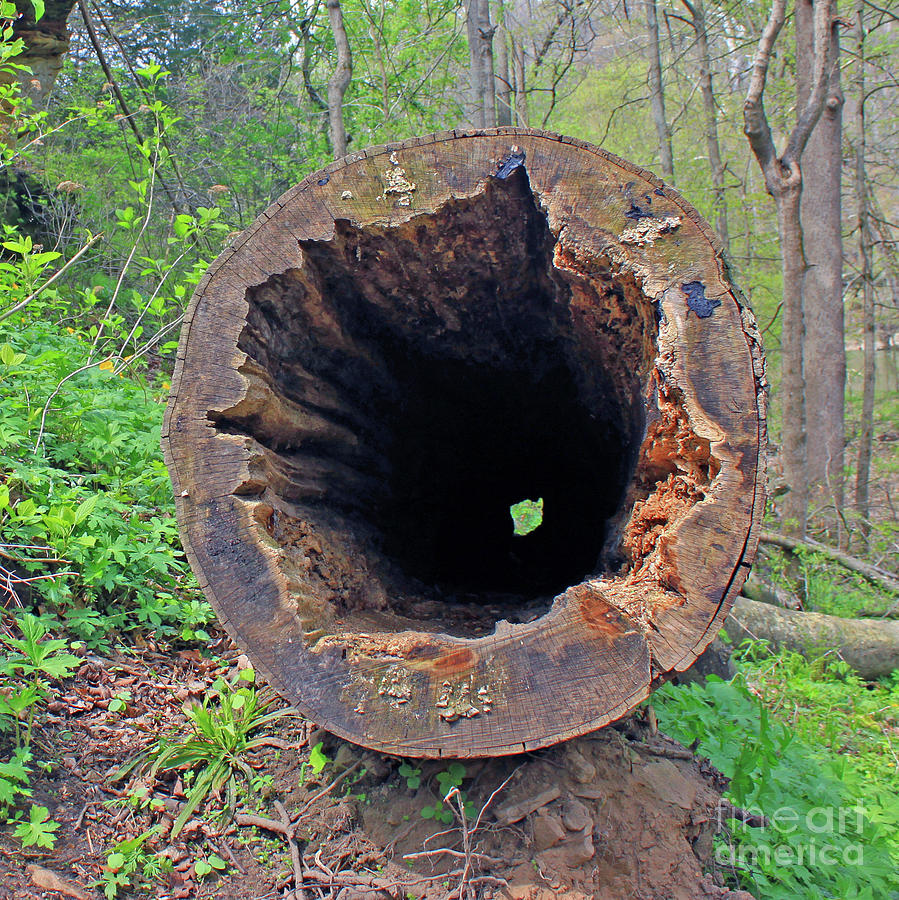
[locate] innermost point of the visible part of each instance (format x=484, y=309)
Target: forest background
x=138, y=138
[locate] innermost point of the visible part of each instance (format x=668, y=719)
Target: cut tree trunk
x=870, y=646
x=405, y=345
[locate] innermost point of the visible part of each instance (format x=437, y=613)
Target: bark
x=482, y=99
x=476, y=75
x=485, y=34
x=710, y=110
x=339, y=80
x=521, y=93
x=657, y=91
x=764, y=591
x=503, y=75
x=345, y=462
x=825, y=355
x=866, y=436
x=870, y=646
x=46, y=42
x=783, y=180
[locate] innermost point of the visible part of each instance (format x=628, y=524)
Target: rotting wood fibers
x=407, y=345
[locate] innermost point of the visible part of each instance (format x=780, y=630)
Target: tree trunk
x=783, y=180
x=503, y=76
x=870, y=646
x=482, y=100
x=406, y=345
x=340, y=80
x=657, y=91
x=794, y=435
x=710, y=108
x=485, y=35
x=46, y=42
x=825, y=354
x=866, y=436
x=315, y=98
x=521, y=94
x=476, y=75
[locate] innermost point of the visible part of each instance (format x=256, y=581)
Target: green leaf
x=202, y=868
x=317, y=758
x=38, y=831
x=527, y=516
x=85, y=508
x=39, y=7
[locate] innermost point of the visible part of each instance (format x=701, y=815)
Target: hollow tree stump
x=412, y=340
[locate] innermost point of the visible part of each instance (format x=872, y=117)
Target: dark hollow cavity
x=432, y=374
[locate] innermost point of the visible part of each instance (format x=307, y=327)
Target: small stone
x=576, y=816
x=580, y=850
x=375, y=764
x=582, y=770
x=394, y=815
x=588, y=792
x=345, y=756
x=510, y=813
x=548, y=831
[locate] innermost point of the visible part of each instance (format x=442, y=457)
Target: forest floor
x=624, y=812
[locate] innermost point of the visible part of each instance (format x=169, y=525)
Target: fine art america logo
x=818, y=845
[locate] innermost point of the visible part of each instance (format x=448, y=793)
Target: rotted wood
x=405, y=344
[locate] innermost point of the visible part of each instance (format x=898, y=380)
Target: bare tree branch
x=755, y=121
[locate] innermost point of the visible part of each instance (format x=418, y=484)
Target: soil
x=624, y=812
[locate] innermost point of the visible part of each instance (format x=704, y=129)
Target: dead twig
x=250, y=820
x=448, y=851
x=326, y=790
x=299, y=889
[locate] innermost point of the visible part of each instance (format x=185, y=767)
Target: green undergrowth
x=86, y=510
x=827, y=587
x=812, y=747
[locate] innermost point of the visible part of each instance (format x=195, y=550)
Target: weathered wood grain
x=364, y=374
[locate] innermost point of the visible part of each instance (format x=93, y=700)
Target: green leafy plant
x=815, y=812
x=129, y=862
x=318, y=759
x=229, y=725
x=119, y=703
x=28, y=670
x=39, y=830
x=412, y=776
x=15, y=775
x=449, y=778
x=206, y=865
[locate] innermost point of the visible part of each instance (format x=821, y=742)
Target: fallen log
x=398, y=351
x=872, y=573
x=871, y=647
